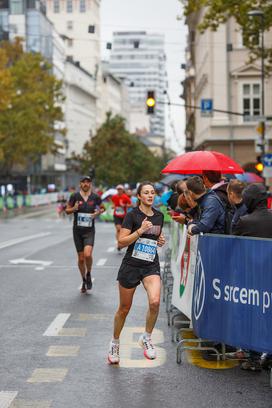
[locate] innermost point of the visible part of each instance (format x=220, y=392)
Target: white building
x=139, y=58
x=74, y=20
x=218, y=70
x=113, y=97
x=80, y=107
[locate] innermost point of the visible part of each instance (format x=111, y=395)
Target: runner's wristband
x=138, y=233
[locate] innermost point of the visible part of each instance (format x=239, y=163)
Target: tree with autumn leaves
x=118, y=156
x=30, y=105
x=217, y=12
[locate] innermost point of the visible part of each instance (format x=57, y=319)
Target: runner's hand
x=161, y=240
x=95, y=214
x=75, y=208
x=146, y=225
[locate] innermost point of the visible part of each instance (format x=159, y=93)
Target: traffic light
x=259, y=164
x=150, y=102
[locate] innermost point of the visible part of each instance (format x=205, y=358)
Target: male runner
x=121, y=202
x=86, y=206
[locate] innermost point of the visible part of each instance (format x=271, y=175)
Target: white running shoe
x=113, y=356
x=147, y=345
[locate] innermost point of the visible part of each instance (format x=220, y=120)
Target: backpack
x=229, y=212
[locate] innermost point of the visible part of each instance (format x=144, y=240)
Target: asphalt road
x=54, y=340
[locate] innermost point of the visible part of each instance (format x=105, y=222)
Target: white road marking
x=101, y=262
x=39, y=268
x=57, y=324
x=22, y=261
x=6, y=398
x=23, y=239
x=111, y=249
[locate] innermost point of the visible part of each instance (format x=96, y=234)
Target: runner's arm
x=70, y=209
x=126, y=237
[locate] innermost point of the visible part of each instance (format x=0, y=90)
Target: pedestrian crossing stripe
x=6, y=398
x=30, y=404
x=63, y=351
x=48, y=375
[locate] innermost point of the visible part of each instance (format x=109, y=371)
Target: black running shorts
x=130, y=276
x=83, y=238
x=117, y=220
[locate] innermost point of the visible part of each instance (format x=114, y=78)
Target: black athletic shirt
x=133, y=221
x=85, y=207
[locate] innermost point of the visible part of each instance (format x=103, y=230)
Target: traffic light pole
x=185, y=105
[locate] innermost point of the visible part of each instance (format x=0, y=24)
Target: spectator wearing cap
x=121, y=202
x=257, y=223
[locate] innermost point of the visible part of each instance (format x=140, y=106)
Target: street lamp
x=260, y=14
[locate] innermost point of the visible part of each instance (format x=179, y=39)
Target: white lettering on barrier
x=245, y=296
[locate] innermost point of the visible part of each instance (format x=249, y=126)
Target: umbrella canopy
x=108, y=193
x=171, y=178
x=248, y=177
x=199, y=160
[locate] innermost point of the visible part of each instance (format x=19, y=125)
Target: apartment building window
x=69, y=6
x=252, y=99
x=82, y=6
x=4, y=4
x=70, y=25
x=56, y=6
x=16, y=7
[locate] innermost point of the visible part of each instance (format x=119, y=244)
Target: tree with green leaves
x=219, y=11
x=30, y=105
x=118, y=156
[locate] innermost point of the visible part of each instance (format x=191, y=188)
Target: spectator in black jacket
x=257, y=223
x=235, y=189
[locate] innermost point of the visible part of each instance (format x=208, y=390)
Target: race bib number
x=84, y=220
x=119, y=211
x=145, y=249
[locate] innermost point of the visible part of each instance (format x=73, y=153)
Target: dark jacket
x=239, y=211
x=258, y=221
x=211, y=217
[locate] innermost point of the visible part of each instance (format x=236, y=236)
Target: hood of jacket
x=255, y=196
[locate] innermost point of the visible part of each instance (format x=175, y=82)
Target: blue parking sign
x=206, y=107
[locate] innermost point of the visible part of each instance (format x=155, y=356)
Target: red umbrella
x=197, y=161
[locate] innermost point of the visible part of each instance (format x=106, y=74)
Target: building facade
x=80, y=107
x=139, y=58
x=219, y=74
x=113, y=97
x=78, y=22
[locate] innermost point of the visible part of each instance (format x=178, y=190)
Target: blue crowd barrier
x=232, y=295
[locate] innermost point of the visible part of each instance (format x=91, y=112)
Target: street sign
x=206, y=107
x=267, y=160
x=267, y=172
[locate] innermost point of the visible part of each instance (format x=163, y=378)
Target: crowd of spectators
x=214, y=205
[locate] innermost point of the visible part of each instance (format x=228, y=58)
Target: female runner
x=141, y=232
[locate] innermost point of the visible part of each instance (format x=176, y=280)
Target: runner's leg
x=81, y=264
x=88, y=252
x=88, y=257
x=126, y=297
x=117, y=232
x=152, y=285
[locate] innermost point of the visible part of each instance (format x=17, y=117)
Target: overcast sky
x=155, y=16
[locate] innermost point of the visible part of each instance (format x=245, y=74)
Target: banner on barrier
x=182, y=267
x=232, y=300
